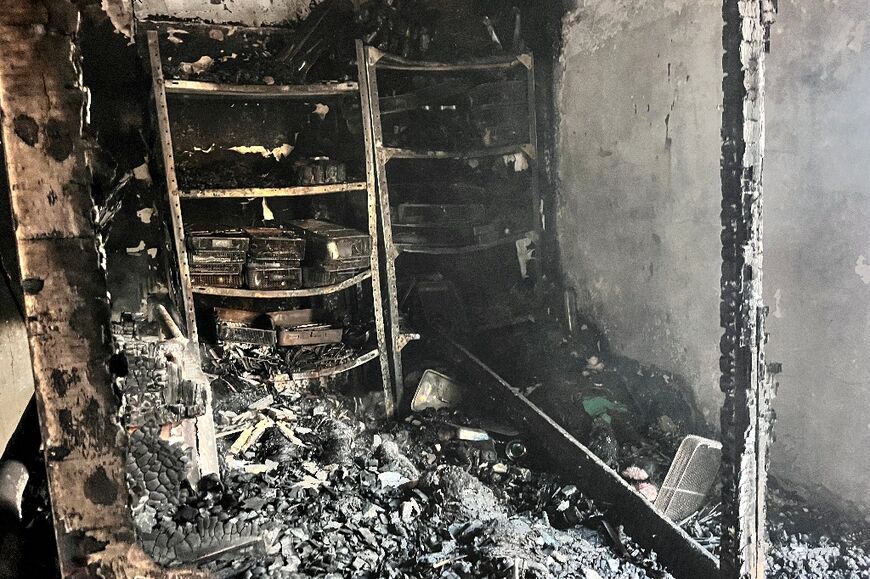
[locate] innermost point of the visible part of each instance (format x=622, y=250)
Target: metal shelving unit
x=376, y=60
x=184, y=88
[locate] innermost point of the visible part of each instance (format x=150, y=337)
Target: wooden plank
x=682, y=556
x=165, y=136
x=66, y=302
x=260, y=91
x=746, y=418
x=296, y=191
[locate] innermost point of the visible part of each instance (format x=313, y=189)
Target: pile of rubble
x=312, y=486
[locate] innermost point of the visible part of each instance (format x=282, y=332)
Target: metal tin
x=216, y=280
x=225, y=268
x=217, y=241
x=319, y=277
x=275, y=243
x=328, y=242
x=266, y=279
x=294, y=318
x=274, y=263
x=246, y=335
x=234, y=316
x=303, y=336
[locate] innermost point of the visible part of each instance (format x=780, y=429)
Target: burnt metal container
x=259, y=278
x=225, y=268
x=235, y=241
x=245, y=335
x=210, y=256
x=309, y=336
x=275, y=263
x=319, y=277
x=275, y=243
x=216, y=280
x=329, y=242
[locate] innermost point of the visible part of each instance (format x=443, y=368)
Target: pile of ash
x=309, y=489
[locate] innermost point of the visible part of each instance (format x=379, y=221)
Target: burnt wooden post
x=66, y=304
x=746, y=417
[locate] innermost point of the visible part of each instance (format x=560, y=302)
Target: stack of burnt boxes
x=217, y=259
x=274, y=259
x=309, y=253
x=334, y=253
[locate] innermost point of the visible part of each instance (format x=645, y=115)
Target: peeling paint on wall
x=120, y=13
x=145, y=215
x=249, y=12
x=862, y=268
x=278, y=152
x=137, y=249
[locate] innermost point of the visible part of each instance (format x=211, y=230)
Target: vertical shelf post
x=372, y=194
x=370, y=58
x=174, y=197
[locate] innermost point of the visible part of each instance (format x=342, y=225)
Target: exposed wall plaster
x=278, y=152
x=862, y=268
x=120, y=13
x=247, y=12
x=145, y=215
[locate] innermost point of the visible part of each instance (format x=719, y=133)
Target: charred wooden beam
x=682, y=556
x=66, y=303
x=746, y=417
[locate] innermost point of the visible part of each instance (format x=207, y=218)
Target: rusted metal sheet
x=66, y=303
x=746, y=415
x=683, y=557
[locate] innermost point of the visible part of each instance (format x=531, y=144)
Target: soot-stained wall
x=638, y=154
x=817, y=242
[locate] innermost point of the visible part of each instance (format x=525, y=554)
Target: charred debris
x=356, y=202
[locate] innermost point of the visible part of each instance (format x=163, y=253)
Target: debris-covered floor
x=315, y=485
x=335, y=492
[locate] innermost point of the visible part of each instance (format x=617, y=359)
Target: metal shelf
x=279, y=294
x=339, y=369
x=411, y=248
x=295, y=191
x=386, y=61
x=375, y=62
x=188, y=293
x=402, y=153
x=199, y=88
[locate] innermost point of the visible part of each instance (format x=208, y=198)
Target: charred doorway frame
x=746, y=416
x=44, y=106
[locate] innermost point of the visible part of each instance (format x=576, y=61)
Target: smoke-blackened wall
x=638, y=156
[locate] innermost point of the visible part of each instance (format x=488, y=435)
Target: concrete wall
x=639, y=215
x=17, y=386
x=638, y=151
x=817, y=241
